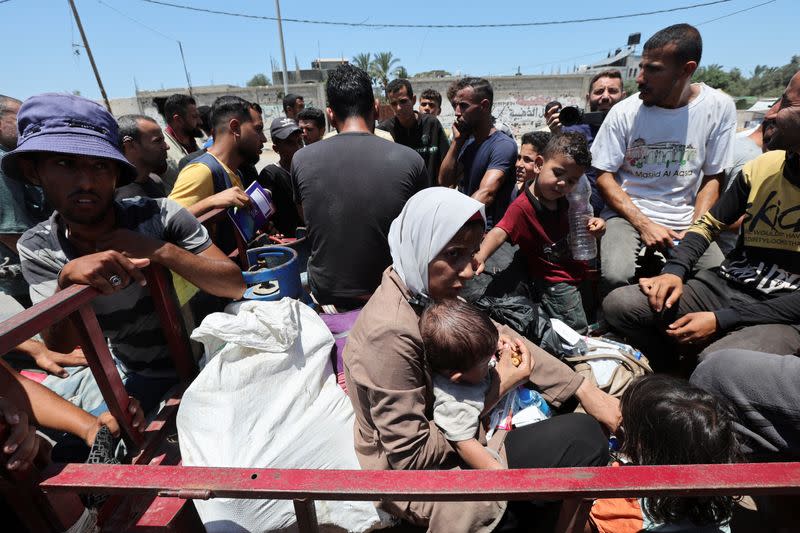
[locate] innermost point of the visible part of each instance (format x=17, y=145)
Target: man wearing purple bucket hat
x=68, y=146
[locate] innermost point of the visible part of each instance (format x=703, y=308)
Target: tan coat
x=390, y=386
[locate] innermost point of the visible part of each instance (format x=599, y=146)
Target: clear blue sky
x=38, y=37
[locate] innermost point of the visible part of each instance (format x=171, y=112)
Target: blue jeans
x=563, y=301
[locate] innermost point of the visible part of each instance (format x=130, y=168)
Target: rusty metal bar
x=104, y=370
x=27, y=323
x=165, y=303
x=306, y=515
x=463, y=485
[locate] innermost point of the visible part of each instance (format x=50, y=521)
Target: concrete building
x=316, y=74
x=518, y=100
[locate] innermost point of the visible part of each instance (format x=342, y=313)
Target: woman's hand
x=603, y=407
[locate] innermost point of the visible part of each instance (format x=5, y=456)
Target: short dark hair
x=456, y=335
x=482, y=88
x=257, y=108
x=571, y=144
x=452, y=89
x=314, y=115
x=205, y=118
x=685, y=37
x=432, y=94
x=290, y=99
x=538, y=139
x=349, y=92
x=395, y=85
x=227, y=107
x=669, y=421
x=177, y=104
x=129, y=127
x=610, y=73
x=5, y=103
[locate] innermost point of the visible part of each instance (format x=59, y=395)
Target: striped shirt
x=127, y=317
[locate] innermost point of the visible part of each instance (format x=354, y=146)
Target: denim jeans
x=563, y=301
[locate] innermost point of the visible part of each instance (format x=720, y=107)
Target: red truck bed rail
x=151, y=494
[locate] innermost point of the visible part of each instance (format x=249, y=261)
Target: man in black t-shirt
x=422, y=132
x=286, y=140
x=349, y=188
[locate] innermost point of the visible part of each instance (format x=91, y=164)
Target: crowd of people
x=699, y=260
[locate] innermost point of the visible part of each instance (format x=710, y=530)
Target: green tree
x=381, y=67
x=363, y=61
x=713, y=76
x=401, y=72
x=259, y=80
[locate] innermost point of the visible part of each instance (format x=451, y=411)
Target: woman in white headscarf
x=433, y=243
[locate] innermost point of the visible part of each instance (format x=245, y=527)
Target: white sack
x=268, y=398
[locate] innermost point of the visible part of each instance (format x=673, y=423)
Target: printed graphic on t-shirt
x=773, y=220
x=658, y=160
x=765, y=278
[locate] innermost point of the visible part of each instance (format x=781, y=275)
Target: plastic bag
x=268, y=398
x=523, y=316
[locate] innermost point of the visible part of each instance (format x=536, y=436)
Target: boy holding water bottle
x=538, y=221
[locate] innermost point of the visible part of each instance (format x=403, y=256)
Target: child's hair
x=537, y=139
x=571, y=144
x=668, y=421
x=456, y=335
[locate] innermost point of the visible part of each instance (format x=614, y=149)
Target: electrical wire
x=140, y=23
x=735, y=12
x=441, y=26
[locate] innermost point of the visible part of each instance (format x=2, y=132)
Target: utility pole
x=283, y=50
x=185, y=71
x=89, y=53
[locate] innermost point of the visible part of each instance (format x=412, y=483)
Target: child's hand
x=512, y=351
x=106, y=419
x=596, y=226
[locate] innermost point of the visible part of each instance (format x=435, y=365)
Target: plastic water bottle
x=582, y=243
x=527, y=397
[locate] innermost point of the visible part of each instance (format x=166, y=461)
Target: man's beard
x=249, y=158
x=465, y=128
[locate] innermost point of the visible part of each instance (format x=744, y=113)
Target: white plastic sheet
x=268, y=398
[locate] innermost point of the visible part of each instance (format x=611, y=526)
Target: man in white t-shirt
x=661, y=155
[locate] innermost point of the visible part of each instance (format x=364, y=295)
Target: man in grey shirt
x=68, y=145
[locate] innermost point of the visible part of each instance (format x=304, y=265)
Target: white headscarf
x=428, y=221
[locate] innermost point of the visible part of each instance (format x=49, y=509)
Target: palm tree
x=363, y=61
x=382, y=67
x=401, y=72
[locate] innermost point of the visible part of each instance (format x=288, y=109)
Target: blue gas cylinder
x=274, y=274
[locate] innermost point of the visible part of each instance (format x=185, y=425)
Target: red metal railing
x=576, y=486
x=155, y=487
x=154, y=446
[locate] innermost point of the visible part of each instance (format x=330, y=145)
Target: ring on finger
x=115, y=280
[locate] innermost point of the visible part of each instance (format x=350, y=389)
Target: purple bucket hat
x=66, y=124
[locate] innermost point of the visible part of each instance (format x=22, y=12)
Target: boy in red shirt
x=538, y=222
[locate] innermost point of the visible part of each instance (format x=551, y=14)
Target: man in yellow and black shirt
x=752, y=301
